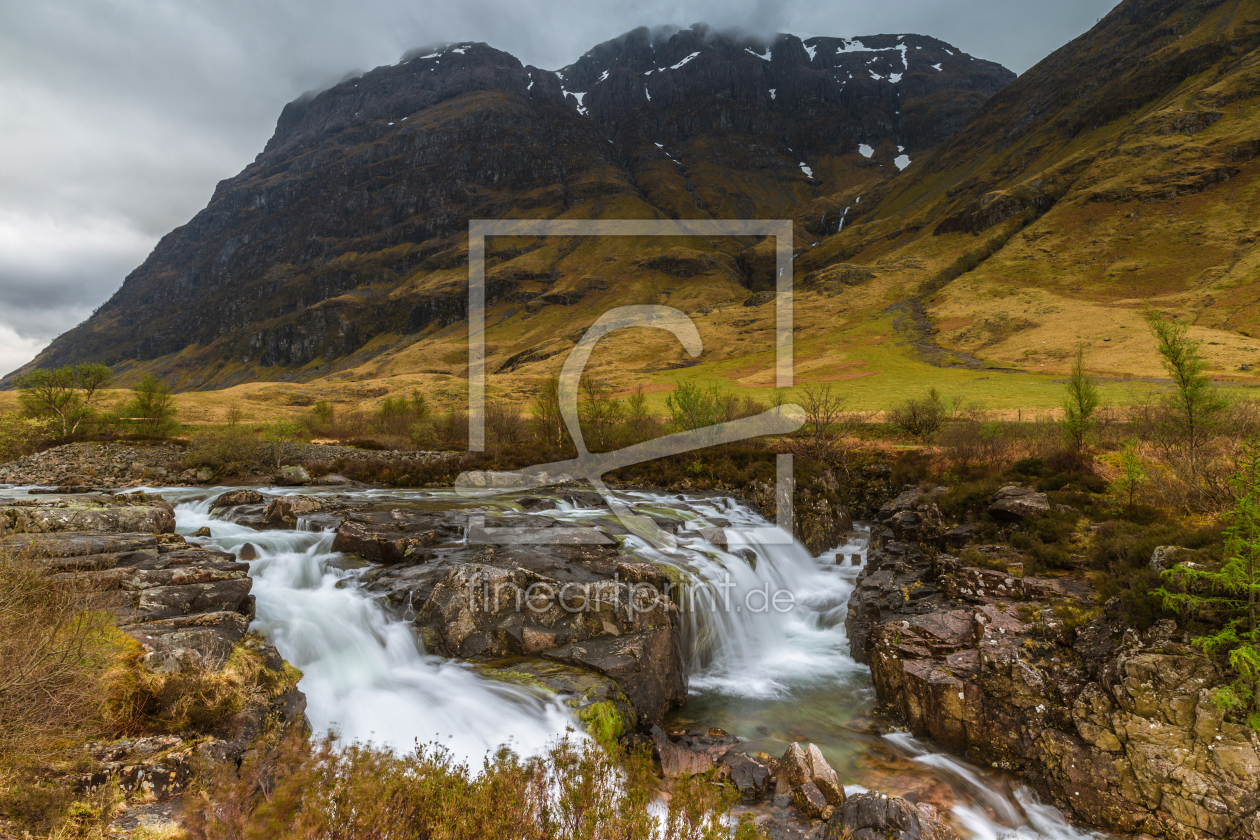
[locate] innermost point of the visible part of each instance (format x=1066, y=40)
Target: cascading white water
x=1032, y=818
x=366, y=678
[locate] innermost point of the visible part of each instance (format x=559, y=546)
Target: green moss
x=601, y=721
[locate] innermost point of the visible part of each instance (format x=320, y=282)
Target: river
x=769, y=676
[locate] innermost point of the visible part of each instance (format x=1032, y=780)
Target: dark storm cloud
x=117, y=117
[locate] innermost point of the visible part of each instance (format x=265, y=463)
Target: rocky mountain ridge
x=345, y=236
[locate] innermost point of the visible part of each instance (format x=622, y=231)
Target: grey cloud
x=117, y=119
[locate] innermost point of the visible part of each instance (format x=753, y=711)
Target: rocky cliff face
x=1115, y=726
x=346, y=234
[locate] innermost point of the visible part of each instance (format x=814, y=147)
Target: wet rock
x=874, y=816
x=247, y=552
x=794, y=766
x=677, y=760
x=563, y=603
x=284, y=511
x=235, y=498
x=203, y=531
x=333, y=480
x=597, y=702
x=396, y=536
x=1015, y=504
x=648, y=666
x=824, y=776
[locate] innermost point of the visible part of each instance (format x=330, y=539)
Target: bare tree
x=828, y=432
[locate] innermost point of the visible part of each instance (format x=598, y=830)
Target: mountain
x=345, y=240
x=1121, y=172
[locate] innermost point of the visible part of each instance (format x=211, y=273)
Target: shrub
x=692, y=407
x=228, y=450
x=920, y=417
x=21, y=435
x=577, y=791
x=1229, y=596
x=152, y=406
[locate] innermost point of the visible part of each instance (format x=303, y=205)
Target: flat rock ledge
x=188, y=607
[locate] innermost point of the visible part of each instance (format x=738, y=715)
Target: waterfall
x=365, y=677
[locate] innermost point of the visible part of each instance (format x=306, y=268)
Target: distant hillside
x=346, y=238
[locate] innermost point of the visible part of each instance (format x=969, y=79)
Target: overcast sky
x=117, y=117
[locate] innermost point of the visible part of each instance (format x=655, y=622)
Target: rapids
x=766, y=673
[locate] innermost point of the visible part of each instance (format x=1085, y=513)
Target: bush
x=152, y=407
x=577, y=791
x=196, y=700
x=229, y=450
x=920, y=417
x=21, y=436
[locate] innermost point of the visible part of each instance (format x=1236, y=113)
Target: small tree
x=545, y=408
x=599, y=414
x=1082, y=401
x=692, y=407
x=1194, y=408
x=153, y=405
x=920, y=417
x=828, y=427
x=66, y=396
x=640, y=423
x=1132, y=475
x=1229, y=597
x=277, y=434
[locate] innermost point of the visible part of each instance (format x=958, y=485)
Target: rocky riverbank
x=1115, y=726
x=187, y=606
x=86, y=467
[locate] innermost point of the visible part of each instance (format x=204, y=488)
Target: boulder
x=810, y=801
x=1015, y=504
x=874, y=816
x=1162, y=557
x=750, y=776
x=596, y=701
x=396, y=536
x=824, y=776
x=676, y=759
x=235, y=498
x=284, y=511
x=134, y=513
x=293, y=477
x=648, y=666
x=794, y=766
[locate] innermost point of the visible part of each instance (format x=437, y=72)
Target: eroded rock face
x=597, y=701
x=188, y=608
x=1116, y=727
x=624, y=631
